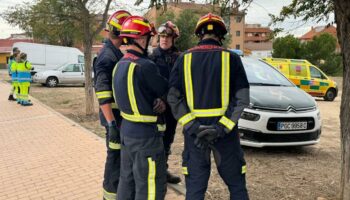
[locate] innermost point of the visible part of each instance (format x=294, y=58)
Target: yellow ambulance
x=306, y=76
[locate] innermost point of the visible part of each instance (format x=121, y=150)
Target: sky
x=258, y=13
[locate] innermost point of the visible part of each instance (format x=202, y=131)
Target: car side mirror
x=63, y=71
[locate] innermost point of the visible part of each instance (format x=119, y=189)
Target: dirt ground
x=298, y=173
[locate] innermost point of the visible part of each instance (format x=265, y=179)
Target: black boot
x=171, y=178
x=11, y=98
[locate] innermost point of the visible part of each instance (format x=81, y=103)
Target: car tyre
x=51, y=82
x=330, y=95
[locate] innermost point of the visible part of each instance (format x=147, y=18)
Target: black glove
x=114, y=136
x=201, y=143
x=208, y=133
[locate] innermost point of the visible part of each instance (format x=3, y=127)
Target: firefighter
x=13, y=73
x=165, y=56
x=24, y=78
x=109, y=114
x=138, y=90
x=208, y=92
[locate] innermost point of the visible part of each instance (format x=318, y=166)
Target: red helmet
x=210, y=23
x=115, y=21
x=169, y=29
x=136, y=26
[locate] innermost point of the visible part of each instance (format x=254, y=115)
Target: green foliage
x=306, y=9
x=46, y=20
x=320, y=51
x=287, y=47
x=186, y=22
x=164, y=17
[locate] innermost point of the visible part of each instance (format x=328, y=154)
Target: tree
x=320, y=51
x=82, y=16
x=287, y=47
x=37, y=20
x=321, y=9
x=187, y=23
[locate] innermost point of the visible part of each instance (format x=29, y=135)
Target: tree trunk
x=342, y=17
x=89, y=92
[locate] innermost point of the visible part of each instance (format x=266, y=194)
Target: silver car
x=66, y=74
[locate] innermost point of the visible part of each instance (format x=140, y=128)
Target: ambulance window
x=315, y=73
x=297, y=70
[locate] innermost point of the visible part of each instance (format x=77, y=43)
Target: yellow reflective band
x=184, y=171
x=115, y=24
x=104, y=94
x=131, y=93
x=225, y=79
x=109, y=195
x=214, y=112
x=244, y=169
x=131, y=30
x=141, y=23
x=225, y=88
x=227, y=123
x=114, y=105
x=151, y=179
x=122, y=15
x=186, y=118
x=206, y=19
x=161, y=127
x=114, y=145
x=139, y=118
x=188, y=80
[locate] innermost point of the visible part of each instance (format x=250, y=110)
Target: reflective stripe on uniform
x=225, y=88
x=114, y=105
x=229, y=124
x=244, y=169
x=161, y=127
x=131, y=93
x=104, y=94
x=109, y=195
x=139, y=118
x=184, y=171
x=225, y=79
x=186, y=118
x=136, y=116
x=112, y=145
x=151, y=179
x=188, y=80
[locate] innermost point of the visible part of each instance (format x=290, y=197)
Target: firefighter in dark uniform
x=165, y=56
x=138, y=89
x=209, y=90
x=109, y=114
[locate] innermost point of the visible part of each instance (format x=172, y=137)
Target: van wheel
x=330, y=95
x=51, y=82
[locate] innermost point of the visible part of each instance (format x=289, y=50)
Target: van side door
x=298, y=74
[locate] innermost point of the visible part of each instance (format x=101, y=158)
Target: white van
x=46, y=57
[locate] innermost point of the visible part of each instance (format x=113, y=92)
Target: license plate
x=282, y=126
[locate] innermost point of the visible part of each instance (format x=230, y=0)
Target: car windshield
x=260, y=73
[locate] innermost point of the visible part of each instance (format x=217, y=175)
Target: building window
x=238, y=33
x=250, y=34
x=263, y=34
x=238, y=46
x=238, y=19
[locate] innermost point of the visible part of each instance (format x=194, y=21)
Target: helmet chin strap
x=144, y=50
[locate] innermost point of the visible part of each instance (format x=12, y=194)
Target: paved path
x=44, y=155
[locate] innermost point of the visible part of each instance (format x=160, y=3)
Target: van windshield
x=260, y=73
